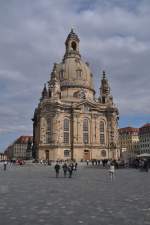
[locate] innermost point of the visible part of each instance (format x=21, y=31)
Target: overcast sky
x=114, y=36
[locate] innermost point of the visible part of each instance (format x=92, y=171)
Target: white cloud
x=11, y=75
x=10, y=129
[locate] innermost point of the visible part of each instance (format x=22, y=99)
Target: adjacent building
x=20, y=149
x=3, y=156
x=69, y=121
x=144, y=138
x=129, y=142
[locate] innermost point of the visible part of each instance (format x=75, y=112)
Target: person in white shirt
x=112, y=170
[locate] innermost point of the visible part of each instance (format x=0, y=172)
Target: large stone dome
x=74, y=74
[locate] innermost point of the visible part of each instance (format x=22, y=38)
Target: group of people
x=68, y=169
x=142, y=164
x=111, y=165
x=105, y=163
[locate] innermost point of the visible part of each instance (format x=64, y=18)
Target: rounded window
x=74, y=45
x=103, y=153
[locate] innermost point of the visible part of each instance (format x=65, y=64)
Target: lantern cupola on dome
x=72, y=45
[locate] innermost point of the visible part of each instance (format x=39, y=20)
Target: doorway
x=47, y=154
x=87, y=155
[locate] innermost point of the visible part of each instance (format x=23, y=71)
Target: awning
x=143, y=155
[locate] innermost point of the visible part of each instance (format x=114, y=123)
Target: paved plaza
x=32, y=195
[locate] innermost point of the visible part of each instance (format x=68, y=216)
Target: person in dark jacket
x=57, y=169
x=70, y=169
x=5, y=165
x=65, y=168
x=75, y=166
x=145, y=166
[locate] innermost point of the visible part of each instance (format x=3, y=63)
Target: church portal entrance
x=86, y=155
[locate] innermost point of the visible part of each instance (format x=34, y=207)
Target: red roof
x=146, y=125
x=145, y=129
x=23, y=139
x=128, y=129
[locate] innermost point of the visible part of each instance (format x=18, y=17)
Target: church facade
x=69, y=121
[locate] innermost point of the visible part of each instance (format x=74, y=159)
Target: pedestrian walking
x=5, y=166
x=87, y=162
x=112, y=171
x=65, y=168
x=146, y=165
x=75, y=166
x=57, y=169
x=108, y=163
x=70, y=169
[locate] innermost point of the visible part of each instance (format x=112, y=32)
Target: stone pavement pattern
x=32, y=195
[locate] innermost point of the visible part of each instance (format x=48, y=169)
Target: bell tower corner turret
x=105, y=96
x=44, y=94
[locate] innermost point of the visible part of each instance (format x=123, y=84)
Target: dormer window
x=61, y=75
x=79, y=74
x=86, y=108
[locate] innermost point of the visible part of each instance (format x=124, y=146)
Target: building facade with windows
x=20, y=149
x=3, y=156
x=144, y=138
x=69, y=121
x=129, y=142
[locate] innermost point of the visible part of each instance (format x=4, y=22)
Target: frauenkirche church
x=70, y=122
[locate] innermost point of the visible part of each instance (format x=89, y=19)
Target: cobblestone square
x=32, y=195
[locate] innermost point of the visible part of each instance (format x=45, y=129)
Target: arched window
x=43, y=130
x=74, y=45
x=102, y=127
x=49, y=131
x=66, y=131
x=102, y=133
x=85, y=131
